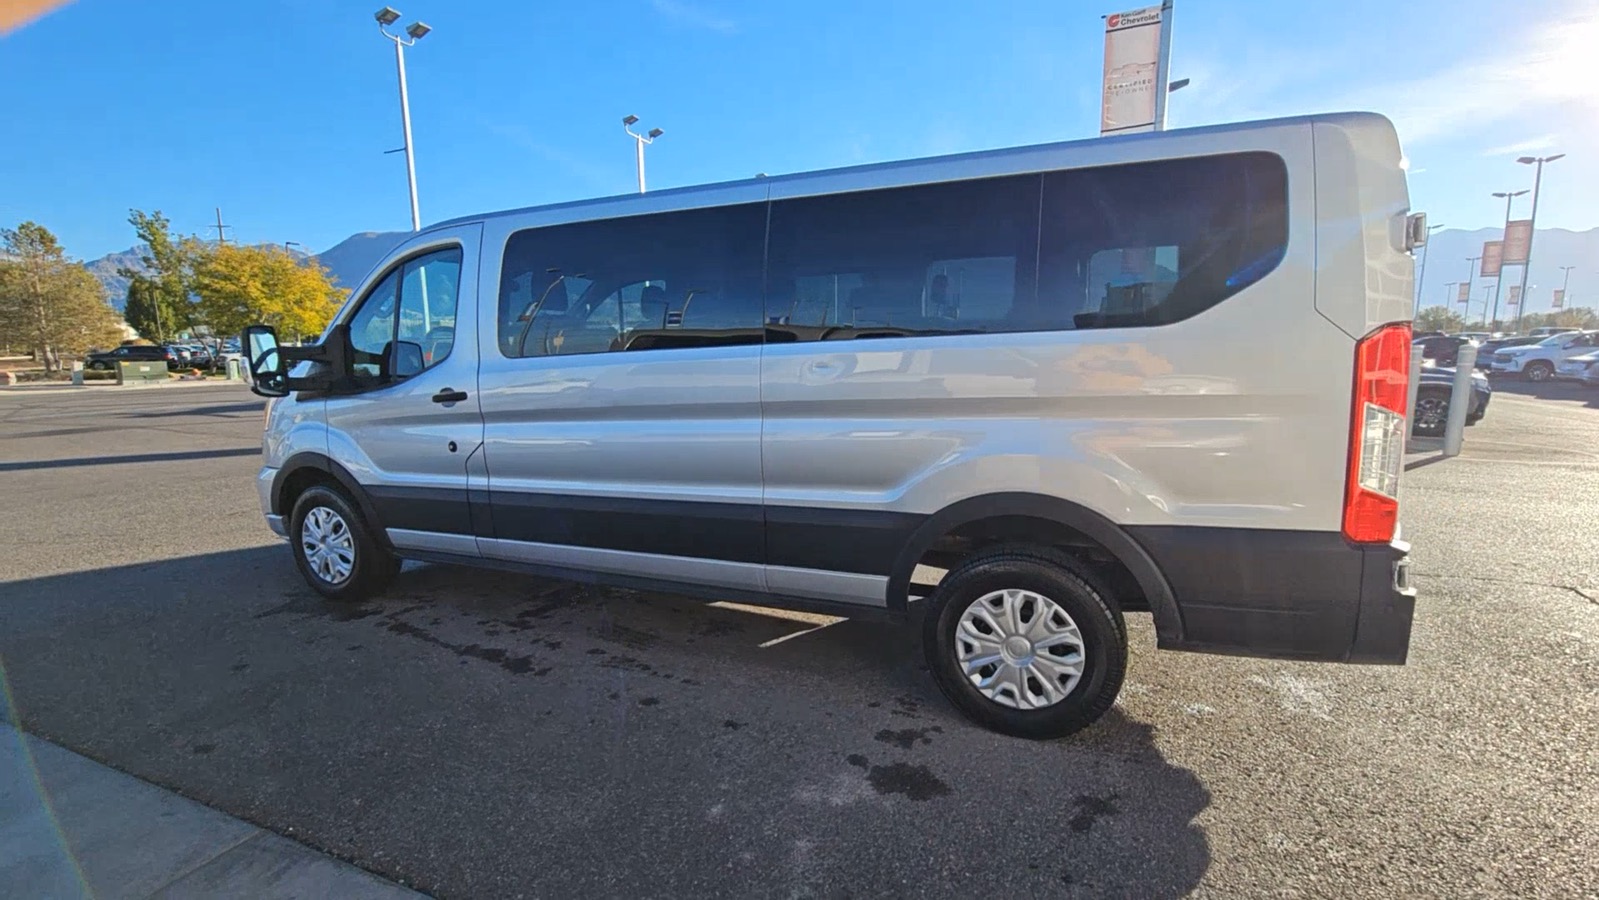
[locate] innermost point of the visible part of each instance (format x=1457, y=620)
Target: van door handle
x=449, y=396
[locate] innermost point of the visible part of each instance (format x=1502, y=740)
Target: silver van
x=1023, y=392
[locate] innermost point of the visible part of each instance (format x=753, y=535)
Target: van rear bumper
x=1285, y=594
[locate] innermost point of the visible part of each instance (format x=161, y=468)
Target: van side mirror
x=269, y=376
x=270, y=363
x=405, y=359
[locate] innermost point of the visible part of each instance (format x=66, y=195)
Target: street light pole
x=1500, y=278
x=1532, y=223
x=1421, y=278
x=1565, y=283
x=627, y=125
x=387, y=16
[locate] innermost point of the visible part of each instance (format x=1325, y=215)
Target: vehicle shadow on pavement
x=471, y=725
x=1549, y=390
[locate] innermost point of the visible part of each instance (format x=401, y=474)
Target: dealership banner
x=1492, y=257
x=1464, y=294
x=1515, y=294
x=1560, y=298
x=1518, y=242
x=1132, y=66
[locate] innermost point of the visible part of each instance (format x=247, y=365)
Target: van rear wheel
x=335, y=551
x=1026, y=641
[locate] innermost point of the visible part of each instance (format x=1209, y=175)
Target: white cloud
x=1540, y=72
x=689, y=14
x=1532, y=145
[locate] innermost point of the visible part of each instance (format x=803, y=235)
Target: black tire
x=1538, y=371
x=99, y=366
x=373, y=566
x=1079, y=594
x=1432, y=413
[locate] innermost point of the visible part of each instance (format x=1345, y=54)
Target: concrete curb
x=70, y=827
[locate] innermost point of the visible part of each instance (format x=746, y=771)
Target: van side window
x=414, y=303
x=371, y=330
x=936, y=259
x=428, y=302
x=1153, y=243
x=654, y=282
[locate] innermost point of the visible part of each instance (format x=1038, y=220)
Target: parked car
x=1486, y=351
x=199, y=357
x=1544, y=331
x=1476, y=337
x=1537, y=362
x=1584, y=368
x=1440, y=351
x=108, y=359
x=1432, y=401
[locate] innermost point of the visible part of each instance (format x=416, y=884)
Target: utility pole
x=221, y=236
x=1163, y=86
x=1532, y=223
x=628, y=122
x=1500, y=279
x=1421, y=278
x=387, y=16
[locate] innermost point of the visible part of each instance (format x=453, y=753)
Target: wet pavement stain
x=731, y=725
x=715, y=628
x=915, y=782
x=856, y=760
x=628, y=637
x=907, y=738
x=310, y=605
x=238, y=667
x=203, y=749
x=1090, y=809
x=649, y=701
x=515, y=664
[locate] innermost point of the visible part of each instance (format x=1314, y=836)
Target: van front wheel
x=334, y=549
x=1026, y=642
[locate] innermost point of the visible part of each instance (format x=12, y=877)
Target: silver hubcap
x=328, y=546
x=1020, y=649
x=1537, y=373
x=1431, y=411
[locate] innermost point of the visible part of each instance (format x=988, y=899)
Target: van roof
x=1354, y=120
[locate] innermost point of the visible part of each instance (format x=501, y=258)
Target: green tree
x=48, y=302
x=1439, y=318
x=239, y=286
x=161, y=292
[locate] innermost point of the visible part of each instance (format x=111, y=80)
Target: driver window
x=415, y=304
x=371, y=330
x=427, y=304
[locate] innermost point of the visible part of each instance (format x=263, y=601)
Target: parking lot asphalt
x=481, y=734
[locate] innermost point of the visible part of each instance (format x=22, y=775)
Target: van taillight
x=1377, y=434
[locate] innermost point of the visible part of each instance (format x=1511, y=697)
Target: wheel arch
x=1025, y=506
x=308, y=468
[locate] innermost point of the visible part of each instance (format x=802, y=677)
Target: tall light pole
x=1421, y=279
x=1485, y=304
x=414, y=32
x=1532, y=223
x=1565, y=283
x=627, y=125
x=1509, y=196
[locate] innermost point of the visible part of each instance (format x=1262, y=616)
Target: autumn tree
x=159, y=294
x=239, y=286
x=1439, y=318
x=48, y=302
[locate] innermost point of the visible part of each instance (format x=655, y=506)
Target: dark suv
x=106, y=359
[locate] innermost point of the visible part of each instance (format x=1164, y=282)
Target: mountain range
x=348, y=262
x=1552, y=248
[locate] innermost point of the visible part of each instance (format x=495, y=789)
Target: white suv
x=1538, y=362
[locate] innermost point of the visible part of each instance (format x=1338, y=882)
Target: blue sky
x=281, y=117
